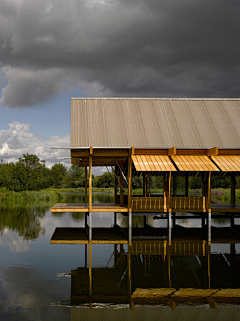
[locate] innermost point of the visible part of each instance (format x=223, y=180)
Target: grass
x=30, y=196
x=82, y=189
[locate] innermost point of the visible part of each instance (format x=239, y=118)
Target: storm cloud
x=119, y=48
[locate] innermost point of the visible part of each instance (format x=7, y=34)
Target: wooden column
x=144, y=184
x=86, y=200
x=169, y=189
x=129, y=183
x=90, y=271
x=115, y=185
x=121, y=184
x=149, y=182
x=130, y=277
x=186, y=184
x=90, y=227
x=129, y=228
x=115, y=219
x=207, y=191
x=169, y=225
x=90, y=183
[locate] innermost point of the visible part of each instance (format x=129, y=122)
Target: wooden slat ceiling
x=153, y=163
x=227, y=163
x=194, y=163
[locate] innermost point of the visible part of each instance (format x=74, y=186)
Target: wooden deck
x=155, y=296
x=84, y=207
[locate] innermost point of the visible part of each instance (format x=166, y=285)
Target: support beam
x=144, y=221
x=232, y=220
x=169, y=227
x=86, y=198
x=90, y=183
x=207, y=190
x=115, y=185
x=149, y=188
x=115, y=219
x=130, y=183
x=121, y=184
x=85, y=256
x=90, y=271
x=209, y=238
x=129, y=228
x=90, y=227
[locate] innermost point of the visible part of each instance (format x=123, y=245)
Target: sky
x=52, y=50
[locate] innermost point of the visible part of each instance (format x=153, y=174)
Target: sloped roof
x=155, y=122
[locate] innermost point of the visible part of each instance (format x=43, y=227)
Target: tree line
x=30, y=173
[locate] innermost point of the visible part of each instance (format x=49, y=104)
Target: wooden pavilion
x=155, y=136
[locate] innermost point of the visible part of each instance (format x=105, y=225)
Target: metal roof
x=155, y=122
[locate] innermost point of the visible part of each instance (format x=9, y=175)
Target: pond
x=36, y=281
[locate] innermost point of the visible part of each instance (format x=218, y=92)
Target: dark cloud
x=119, y=48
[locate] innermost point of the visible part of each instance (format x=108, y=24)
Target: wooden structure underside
x=84, y=207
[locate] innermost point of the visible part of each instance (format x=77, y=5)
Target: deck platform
x=84, y=207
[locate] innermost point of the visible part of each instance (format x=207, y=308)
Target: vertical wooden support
x=115, y=219
x=209, y=238
x=115, y=185
x=233, y=248
x=85, y=256
x=90, y=183
x=232, y=220
x=90, y=227
x=207, y=191
x=86, y=198
x=168, y=192
x=233, y=188
x=130, y=183
x=90, y=270
x=121, y=184
x=130, y=276
x=169, y=265
x=169, y=226
x=130, y=228
x=144, y=184
x=165, y=184
x=186, y=184
x=208, y=264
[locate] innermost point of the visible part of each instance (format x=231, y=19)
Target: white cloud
x=18, y=140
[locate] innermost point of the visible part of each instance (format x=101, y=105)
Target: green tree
x=58, y=171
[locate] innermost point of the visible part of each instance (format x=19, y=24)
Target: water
x=35, y=276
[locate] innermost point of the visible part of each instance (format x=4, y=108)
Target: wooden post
x=144, y=221
x=169, y=234
x=86, y=214
x=85, y=256
x=207, y=191
x=115, y=186
x=90, y=183
x=233, y=188
x=121, y=184
x=130, y=228
x=144, y=184
x=86, y=200
x=130, y=276
x=90, y=227
x=115, y=219
x=186, y=184
x=169, y=265
x=209, y=227
x=90, y=270
x=169, y=190
x=129, y=183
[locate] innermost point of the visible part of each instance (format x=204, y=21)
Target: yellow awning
x=194, y=163
x=227, y=163
x=153, y=163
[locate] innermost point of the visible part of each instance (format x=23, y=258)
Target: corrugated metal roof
x=155, y=122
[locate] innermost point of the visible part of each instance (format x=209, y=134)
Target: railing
x=149, y=247
x=188, y=248
x=187, y=203
x=149, y=203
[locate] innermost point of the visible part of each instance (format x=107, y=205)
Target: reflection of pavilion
x=156, y=271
